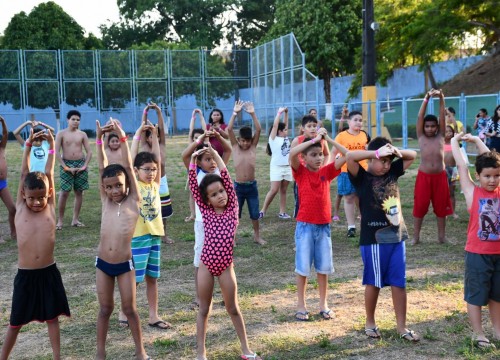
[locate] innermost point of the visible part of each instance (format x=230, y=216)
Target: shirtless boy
x=432, y=181
x=38, y=289
x=244, y=156
x=73, y=166
x=4, y=190
x=120, y=211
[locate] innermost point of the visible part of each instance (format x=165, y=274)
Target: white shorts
x=278, y=173
x=199, y=239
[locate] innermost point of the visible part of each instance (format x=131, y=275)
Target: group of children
x=132, y=227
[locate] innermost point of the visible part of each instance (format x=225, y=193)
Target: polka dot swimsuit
x=217, y=253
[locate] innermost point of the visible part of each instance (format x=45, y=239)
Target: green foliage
x=328, y=32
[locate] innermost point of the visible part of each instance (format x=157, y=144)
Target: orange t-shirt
x=353, y=143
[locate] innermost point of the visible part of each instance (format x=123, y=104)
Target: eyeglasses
x=147, y=170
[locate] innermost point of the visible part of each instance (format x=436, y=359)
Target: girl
x=216, y=123
x=450, y=166
x=280, y=172
x=493, y=130
x=113, y=152
x=219, y=208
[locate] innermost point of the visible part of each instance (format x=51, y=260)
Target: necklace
x=120, y=205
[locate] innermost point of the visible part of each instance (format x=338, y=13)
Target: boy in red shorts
x=432, y=182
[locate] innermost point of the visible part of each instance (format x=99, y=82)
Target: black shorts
x=482, y=278
x=39, y=295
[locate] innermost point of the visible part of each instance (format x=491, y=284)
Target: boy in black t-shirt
x=383, y=230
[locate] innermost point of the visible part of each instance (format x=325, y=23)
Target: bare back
x=36, y=236
x=72, y=143
x=244, y=163
x=3, y=165
x=431, y=154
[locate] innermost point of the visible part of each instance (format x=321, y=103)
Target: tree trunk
x=326, y=86
x=430, y=74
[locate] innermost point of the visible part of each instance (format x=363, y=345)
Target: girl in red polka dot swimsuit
x=219, y=207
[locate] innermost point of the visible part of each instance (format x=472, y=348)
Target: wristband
x=280, y=112
x=193, y=117
x=192, y=166
x=98, y=142
x=28, y=144
x=145, y=112
x=235, y=113
x=137, y=138
x=313, y=140
x=376, y=154
x=124, y=139
x=426, y=100
x=52, y=151
x=198, y=141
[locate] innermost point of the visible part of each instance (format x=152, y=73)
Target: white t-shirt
x=280, y=148
x=39, y=156
x=200, y=174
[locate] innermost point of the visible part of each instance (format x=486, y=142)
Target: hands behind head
x=461, y=136
x=389, y=150
x=205, y=150
x=345, y=111
x=40, y=136
x=435, y=93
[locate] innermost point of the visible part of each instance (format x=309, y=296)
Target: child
x=280, y=172
x=312, y=234
x=450, y=166
x=39, y=155
x=217, y=201
x=113, y=149
x=193, y=136
x=308, y=130
x=38, y=289
x=353, y=139
x=383, y=230
x=120, y=201
x=216, y=124
x=146, y=241
x=205, y=165
x=244, y=156
x=338, y=198
x=432, y=181
x=70, y=142
x=4, y=190
x=166, y=203
x=482, y=250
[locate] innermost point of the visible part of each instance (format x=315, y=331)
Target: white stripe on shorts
x=376, y=265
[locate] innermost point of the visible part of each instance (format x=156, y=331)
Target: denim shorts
x=482, y=278
x=313, y=245
x=344, y=185
x=250, y=193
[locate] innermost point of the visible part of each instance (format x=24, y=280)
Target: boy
x=73, y=166
x=308, y=129
x=383, y=230
x=353, y=139
x=38, y=289
x=166, y=202
x=4, y=190
x=482, y=249
x=120, y=202
x=432, y=182
x=244, y=156
x=205, y=165
x=312, y=234
x=38, y=157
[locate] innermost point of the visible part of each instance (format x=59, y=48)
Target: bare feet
x=415, y=242
x=260, y=241
x=455, y=216
x=189, y=218
x=167, y=240
x=77, y=224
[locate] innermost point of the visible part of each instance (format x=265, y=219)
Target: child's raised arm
x=161, y=122
x=189, y=150
x=274, y=130
x=127, y=161
x=345, y=115
x=49, y=165
x=5, y=133
x=221, y=164
x=102, y=160
x=203, y=124
x=249, y=108
x=421, y=113
x=25, y=166
x=238, y=105
x=442, y=113
x=226, y=146
x=466, y=182
x=481, y=146
x=17, y=132
x=293, y=157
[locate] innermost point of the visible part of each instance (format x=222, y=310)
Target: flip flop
x=58, y=227
x=410, y=336
x=302, y=316
x=253, y=356
x=373, y=333
x=78, y=224
x=123, y=323
x=484, y=344
x=326, y=314
x=159, y=323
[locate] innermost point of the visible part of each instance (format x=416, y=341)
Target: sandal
x=484, y=344
x=326, y=314
x=410, y=336
x=335, y=218
x=373, y=333
x=302, y=316
x=254, y=356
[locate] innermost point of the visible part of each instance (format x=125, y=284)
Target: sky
x=88, y=13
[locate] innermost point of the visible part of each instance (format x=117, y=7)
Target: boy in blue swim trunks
x=120, y=201
x=383, y=231
x=73, y=166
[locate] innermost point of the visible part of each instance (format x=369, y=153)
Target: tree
x=254, y=19
x=328, y=31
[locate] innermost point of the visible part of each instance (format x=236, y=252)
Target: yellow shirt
x=353, y=143
x=149, y=221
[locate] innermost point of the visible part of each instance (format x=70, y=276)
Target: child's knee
x=128, y=309
x=106, y=310
x=232, y=309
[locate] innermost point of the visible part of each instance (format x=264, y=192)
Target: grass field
x=267, y=290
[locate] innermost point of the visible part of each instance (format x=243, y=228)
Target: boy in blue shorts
x=383, y=230
x=312, y=234
x=482, y=249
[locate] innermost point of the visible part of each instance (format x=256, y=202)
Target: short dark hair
x=306, y=119
x=196, y=131
x=353, y=113
x=113, y=170
x=35, y=180
x=430, y=117
x=484, y=110
x=144, y=157
x=377, y=143
x=312, y=145
x=205, y=182
x=281, y=127
x=489, y=159
x=199, y=147
x=246, y=132
x=73, y=112
x=452, y=110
